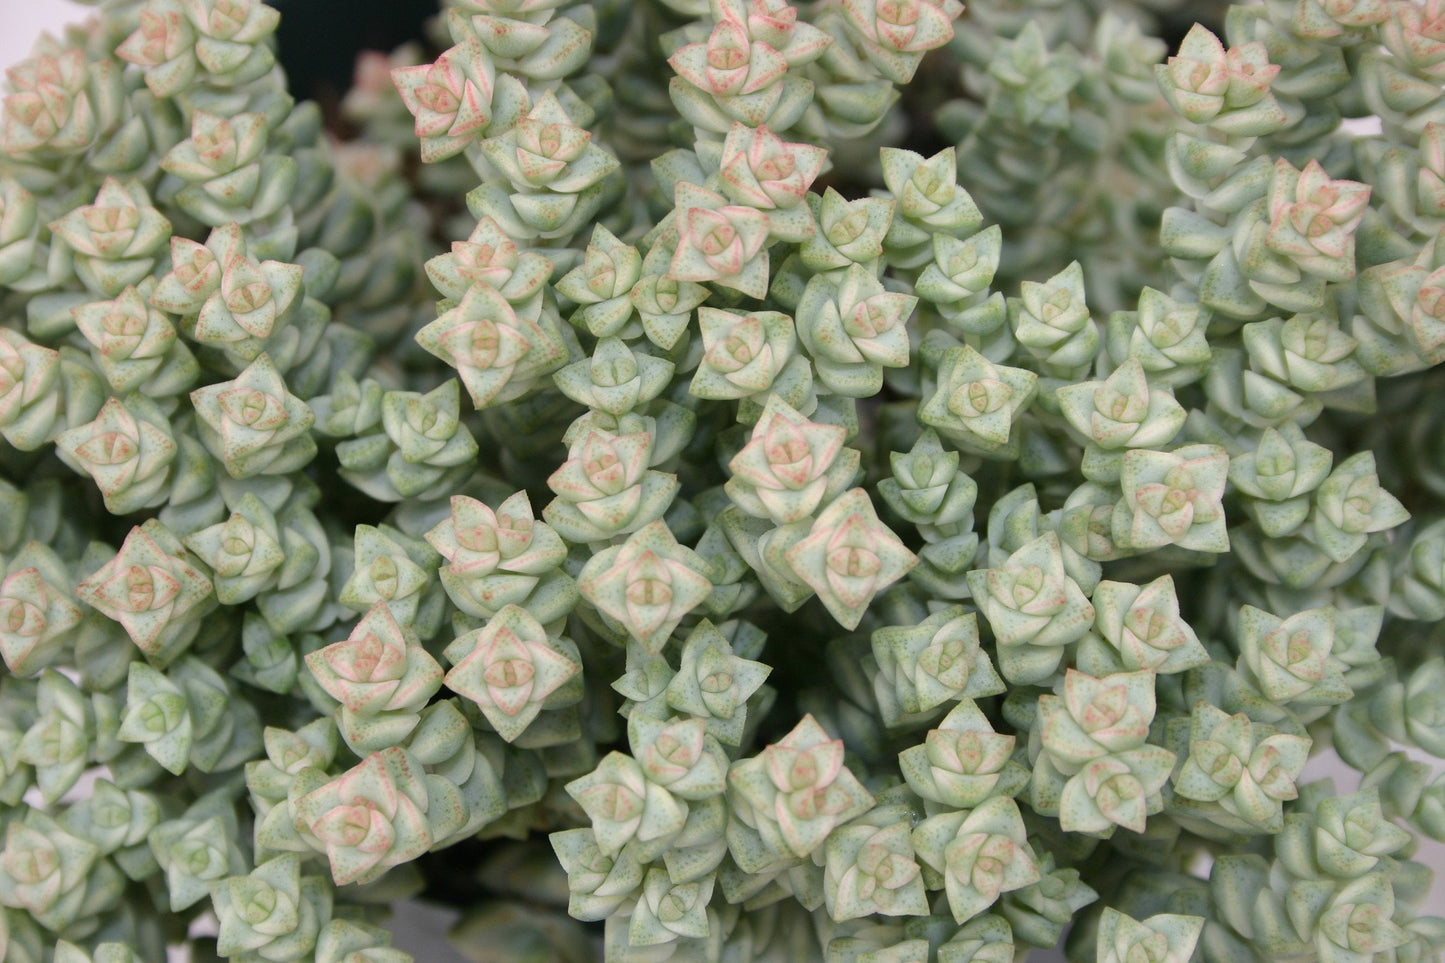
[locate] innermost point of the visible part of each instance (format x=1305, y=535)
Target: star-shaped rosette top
x=776, y=23
x=115, y=239
x=721, y=242
x=1312, y=219
x=1173, y=498
x=136, y=346
x=790, y=466
x=853, y=328
x=381, y=813
x=512, y=669
x=546, y=151
x=379, y=667
x=496, y=558
x=128, y=453
x=896, y=33
x=451, y=99
x=1034, y=608
x=253, y=424
x=743, y=354
x=714, y=684
x=849, y=556
x=602, y=284
x=982, y=853
x=226, y=297
x=37, y=610
x=59, y=102
x=648, y=583
x=796, y=791
x=1122, y=411
x=605, y=487
x=762, y=170
x=148, y=587
x=743, y=77
x=498, y=353
x=488, y=256
x=976, y=402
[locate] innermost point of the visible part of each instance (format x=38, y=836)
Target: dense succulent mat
x=868, y=481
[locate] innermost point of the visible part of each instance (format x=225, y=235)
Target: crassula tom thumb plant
x=865, y=481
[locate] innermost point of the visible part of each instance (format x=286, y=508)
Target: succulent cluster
x=738, y=531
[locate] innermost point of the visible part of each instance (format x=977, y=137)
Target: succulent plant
x=983, y=455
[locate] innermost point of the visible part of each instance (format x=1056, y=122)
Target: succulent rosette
x=225, y=296
x=57, y=742
x=1173, y=498
x=744, y=354
x=490, y=257
x=180, y=42
x=856, y=329
x=1165, y=335
x=380, y=675
x=451, y=99
x=929, y=201
x=848, y=231
x=128, y=450
x=392, y=568
x=1033, y=607
x=963, y=762
x=513, y=669
x=37, y=608
x=848, y=556
x=136, y=346
x=626, y=808
x=981, y=854
x=1243, y=771
x=602, y=284
x=502, y=557
x=1052, y=322
x=720, y=242
x=1122, y=411
x=790, y=467
x=152, y=590
x=558, y=178
x=1350, y=505
x=895, y=36
x=714, y=683
x=735, y=77
x=1143, y=627
x=872, y=869
x=198, y=848
x=57, y=878
x=253, y=425
x=605, y=487
x=59, y=103
x=922, y=667
x=647, y=584
x=1164, y=937
x=273, y=911
x=975, y=403
x=616, y=379
x=115, y=238
x=229, y=178
x=385, y=811
x=1278, y=476
x=1312, y=219
x=1226, y=88
x=792, y=796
